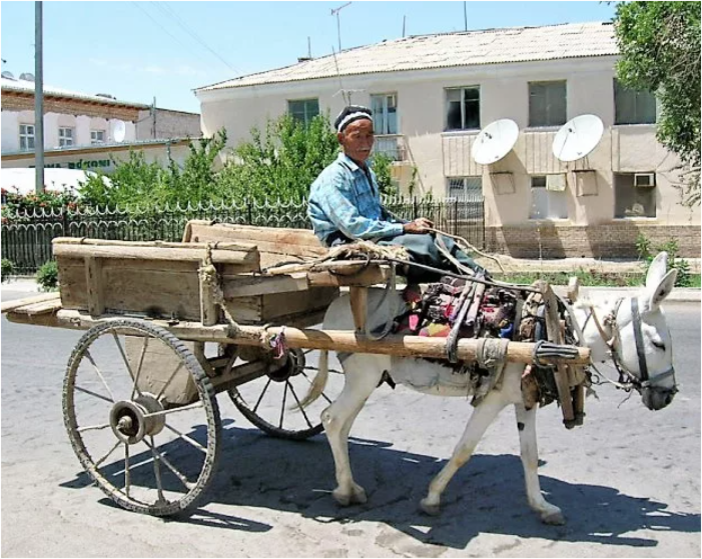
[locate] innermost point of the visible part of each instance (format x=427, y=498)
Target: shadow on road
x=486, y=496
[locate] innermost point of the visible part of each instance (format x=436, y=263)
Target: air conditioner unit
x=644, y=180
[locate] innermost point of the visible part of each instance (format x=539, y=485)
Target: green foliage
x=660, y=52
x=8, y=269
x=647, y=253
x=47, y=276
x=16, y=204
x=382, y=167
x=282, y=161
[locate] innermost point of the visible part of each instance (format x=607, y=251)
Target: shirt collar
x=350, y=163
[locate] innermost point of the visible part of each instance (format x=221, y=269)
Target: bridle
x=627, y=379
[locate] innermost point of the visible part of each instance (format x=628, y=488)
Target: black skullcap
x=351, y=114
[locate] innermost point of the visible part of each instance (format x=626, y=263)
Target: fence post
x=249, y=212
x=414, y=208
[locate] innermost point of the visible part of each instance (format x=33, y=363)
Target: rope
x=461, y=240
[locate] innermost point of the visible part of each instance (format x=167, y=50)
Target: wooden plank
x=359, y=307
x=248, y=259
x=371, y=276
x=44, y=307
x=9, y=306
x=94, y=284
x=201, y=231
x=244, y=286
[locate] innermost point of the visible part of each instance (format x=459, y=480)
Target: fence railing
x=27, y=236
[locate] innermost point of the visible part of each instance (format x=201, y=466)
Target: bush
x=647, y=253
x=47, y=276
x=8, y=269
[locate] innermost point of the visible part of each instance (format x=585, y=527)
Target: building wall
x=82, y=125
x=590, y=226
x=167, y=124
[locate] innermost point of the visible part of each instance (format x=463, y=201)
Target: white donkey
x=632, y=331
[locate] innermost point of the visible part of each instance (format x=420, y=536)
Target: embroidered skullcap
x=351, y=114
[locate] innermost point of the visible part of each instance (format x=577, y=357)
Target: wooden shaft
x=334, y=340
x=9, y=306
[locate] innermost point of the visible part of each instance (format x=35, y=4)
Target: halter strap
x=638, y=337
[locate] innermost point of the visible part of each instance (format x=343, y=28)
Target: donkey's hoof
x=357, y=496
x=554, y=518
x=344, y=499
x=429, y=508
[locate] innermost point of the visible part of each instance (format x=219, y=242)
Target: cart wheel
x=267, y=402
x=131, y=426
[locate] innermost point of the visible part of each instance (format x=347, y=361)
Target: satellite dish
x=27, y=76
x=7, y=74
x=495, y=141
x=119, y=130
x=578, y=137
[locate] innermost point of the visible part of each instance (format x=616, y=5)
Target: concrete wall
x=167, y=124
x=81, y=124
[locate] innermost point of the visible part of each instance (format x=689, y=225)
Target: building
x=85, y=131
x=432, y=94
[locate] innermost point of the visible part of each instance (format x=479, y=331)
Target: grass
x=592, y=279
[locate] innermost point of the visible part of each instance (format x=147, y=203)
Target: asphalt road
x=628, y=481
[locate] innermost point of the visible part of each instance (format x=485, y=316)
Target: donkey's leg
x=361, y=375
x=526, y=423
x=479, y=421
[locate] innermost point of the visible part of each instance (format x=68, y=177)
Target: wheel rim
x=130, y=422
x=271, y=402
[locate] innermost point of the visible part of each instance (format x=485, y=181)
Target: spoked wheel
x=142, y=416
x=268, y=401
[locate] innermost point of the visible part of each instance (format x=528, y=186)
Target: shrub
x=47, y=276
x=647, y=253
x=8, y=269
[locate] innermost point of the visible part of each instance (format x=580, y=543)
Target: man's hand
x=419, y=225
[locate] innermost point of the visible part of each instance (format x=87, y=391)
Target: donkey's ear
x=656, y=270
x=657, y=294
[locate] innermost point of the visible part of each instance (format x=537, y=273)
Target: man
x=344, y=203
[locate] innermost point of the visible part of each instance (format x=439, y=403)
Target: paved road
x=628, y=480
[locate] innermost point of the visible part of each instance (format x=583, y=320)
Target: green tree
x=660, y=52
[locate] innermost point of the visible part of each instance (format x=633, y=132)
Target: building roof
x=488, y=46
x=114, y=146
x=26, y=86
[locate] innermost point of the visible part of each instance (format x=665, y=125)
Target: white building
x=432, y=94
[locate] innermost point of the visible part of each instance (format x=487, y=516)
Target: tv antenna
x=335, y=11
x=577, y=137
x=495, y=141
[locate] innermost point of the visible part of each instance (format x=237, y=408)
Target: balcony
x=391, y=145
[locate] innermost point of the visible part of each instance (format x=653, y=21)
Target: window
x=633, y=106
x=547, y=203
x=631, y=200
x=65, y=137
x=547, y=103
x=384, y=109
x=97, y=137
x=304, y=110
x=463, y=108
x=468, y=193
x=26, y=135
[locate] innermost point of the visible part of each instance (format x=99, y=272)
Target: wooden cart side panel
x=202, y=231
x=274, y=306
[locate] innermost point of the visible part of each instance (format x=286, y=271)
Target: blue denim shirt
x=344, y=198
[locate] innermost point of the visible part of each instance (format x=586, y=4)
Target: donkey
x=631, y=331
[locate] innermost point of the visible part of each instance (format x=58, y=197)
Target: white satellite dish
x=119, y=130
x=577, y=137
x=495, y=141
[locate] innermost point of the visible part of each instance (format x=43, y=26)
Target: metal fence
x=26, y=237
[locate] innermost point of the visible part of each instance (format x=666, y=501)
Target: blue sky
x=141, y=50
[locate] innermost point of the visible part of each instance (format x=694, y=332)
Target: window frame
x=650, y=189
x=381, y=130
x=63, y=138
x=548, y=117
x=462, y=104
x=306, y=118
x=95, y=141
x=619, y=89
x=26, y=136
x=550, y=204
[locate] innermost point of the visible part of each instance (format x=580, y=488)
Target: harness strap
x=638, y=337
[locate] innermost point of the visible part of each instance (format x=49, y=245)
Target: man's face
x=357, y=139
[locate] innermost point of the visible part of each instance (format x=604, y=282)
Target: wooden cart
x=171, y=325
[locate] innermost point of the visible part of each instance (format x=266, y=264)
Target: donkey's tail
x=319, y=381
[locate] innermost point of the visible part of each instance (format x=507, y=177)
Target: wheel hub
x=130, y=422
x=293, y=365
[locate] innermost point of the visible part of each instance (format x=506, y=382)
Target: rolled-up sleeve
x=341, y=210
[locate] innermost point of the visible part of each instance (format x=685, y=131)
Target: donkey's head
x=641, y=344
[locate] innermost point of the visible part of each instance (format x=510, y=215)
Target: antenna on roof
x=336, y=11
x=404, y=18
x=341, y=84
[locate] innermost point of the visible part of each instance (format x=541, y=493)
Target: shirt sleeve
x=343, y=213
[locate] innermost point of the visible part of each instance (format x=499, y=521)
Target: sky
x=138, y=51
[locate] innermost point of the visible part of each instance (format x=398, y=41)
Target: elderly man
x=344, y=203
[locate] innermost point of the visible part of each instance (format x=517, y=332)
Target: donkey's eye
x=659, y=344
